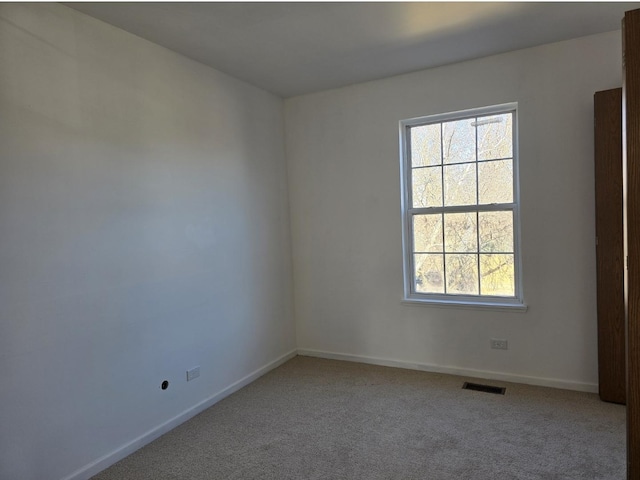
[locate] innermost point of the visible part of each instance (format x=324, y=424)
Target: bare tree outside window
x=461, y=208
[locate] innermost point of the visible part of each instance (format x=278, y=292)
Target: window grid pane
x=495, y=181
x=495, y=231
x=459, y=141
x=460, y=184
x=427, y=233
x=462, y=274
x=426, y=186
x=495, y=134
x=460, y=232
x=497, y=275
x=429, y=273
x=426, y=145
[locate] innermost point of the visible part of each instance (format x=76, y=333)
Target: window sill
x=518, y=307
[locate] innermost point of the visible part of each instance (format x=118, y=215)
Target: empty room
x=312, y=241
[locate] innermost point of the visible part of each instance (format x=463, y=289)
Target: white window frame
x=408, y=211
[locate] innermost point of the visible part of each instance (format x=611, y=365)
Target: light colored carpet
x=324, y=419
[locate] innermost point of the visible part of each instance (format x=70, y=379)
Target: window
x=460, y=208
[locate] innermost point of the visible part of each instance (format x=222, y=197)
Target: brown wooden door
x=609, y=245
x=631, y=156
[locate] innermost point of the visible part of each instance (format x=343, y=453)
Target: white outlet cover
x=193, y=373
x=499, y=344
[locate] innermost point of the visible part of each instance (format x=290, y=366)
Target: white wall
x=342, y=154
x=143, y=231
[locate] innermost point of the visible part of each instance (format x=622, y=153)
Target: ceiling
x=296, y=48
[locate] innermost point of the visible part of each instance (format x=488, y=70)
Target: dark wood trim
x=609, y=245
x=631, y=155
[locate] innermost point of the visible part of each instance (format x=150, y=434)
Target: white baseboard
x=109, y=459
x=466, y=372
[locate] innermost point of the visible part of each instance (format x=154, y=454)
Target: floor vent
x=483, y=388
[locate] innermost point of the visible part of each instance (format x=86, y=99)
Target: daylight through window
x=460, y=207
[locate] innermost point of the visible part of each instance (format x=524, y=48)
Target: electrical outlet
x=499, y=344
x=193, y=373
